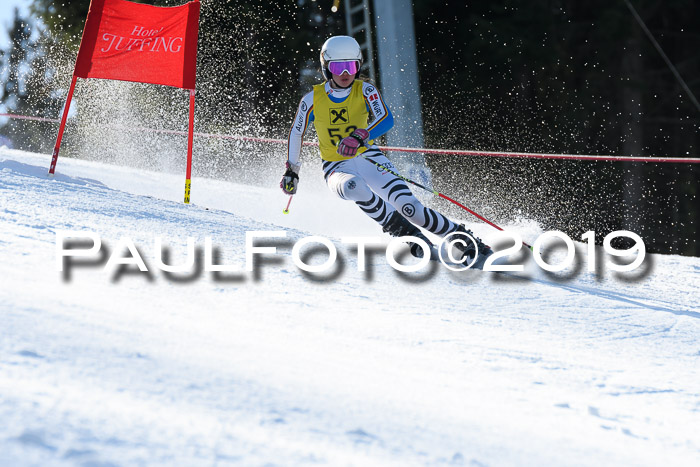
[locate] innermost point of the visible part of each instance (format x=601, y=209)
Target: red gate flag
x=144, y=43
x=129, y=41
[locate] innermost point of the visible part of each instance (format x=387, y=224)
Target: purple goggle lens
x=349, y=67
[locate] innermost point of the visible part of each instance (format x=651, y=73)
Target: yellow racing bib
x=335, y=121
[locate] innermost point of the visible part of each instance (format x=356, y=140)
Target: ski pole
x=286, y=210
x=436, y=193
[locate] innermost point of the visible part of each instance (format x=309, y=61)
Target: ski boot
x=469, y=250
x=399, y=226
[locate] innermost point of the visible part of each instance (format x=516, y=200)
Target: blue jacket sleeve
x=382, y=120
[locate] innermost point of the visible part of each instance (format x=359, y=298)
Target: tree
x=28, y=89
x=14, y=90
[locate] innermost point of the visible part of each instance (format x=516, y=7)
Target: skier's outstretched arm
x=301, y=121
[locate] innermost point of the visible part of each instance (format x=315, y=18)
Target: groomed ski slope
x=278, y=368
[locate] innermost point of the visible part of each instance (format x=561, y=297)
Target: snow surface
x=276, y=367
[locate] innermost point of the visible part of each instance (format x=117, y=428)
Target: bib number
x=336, y=134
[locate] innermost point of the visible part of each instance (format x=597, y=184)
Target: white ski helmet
x=339, y=48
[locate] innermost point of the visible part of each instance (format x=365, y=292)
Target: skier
x=348, y=115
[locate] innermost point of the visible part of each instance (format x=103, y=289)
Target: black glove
x=290, y=179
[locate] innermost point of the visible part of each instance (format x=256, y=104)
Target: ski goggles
x=350, y=67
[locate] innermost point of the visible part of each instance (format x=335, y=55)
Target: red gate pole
x=190, y=143
x=56, y=148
